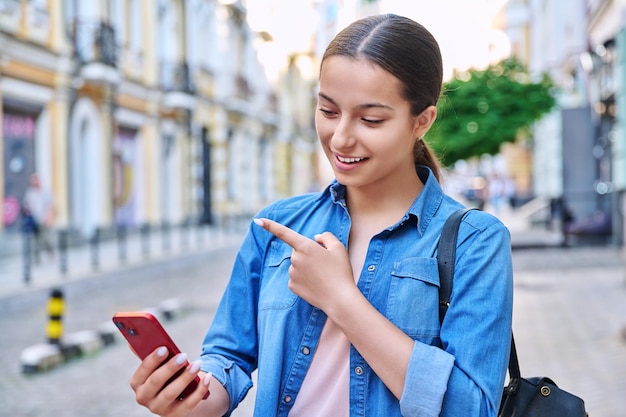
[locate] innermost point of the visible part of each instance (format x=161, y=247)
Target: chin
x=347, y=180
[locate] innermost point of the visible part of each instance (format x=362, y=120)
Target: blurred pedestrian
x=38, y=207
x=510, y=191
x=496, y=191
x=335, y=300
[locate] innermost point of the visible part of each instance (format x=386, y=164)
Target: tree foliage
x=480, y=110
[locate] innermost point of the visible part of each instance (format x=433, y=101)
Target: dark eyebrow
x=360, y=106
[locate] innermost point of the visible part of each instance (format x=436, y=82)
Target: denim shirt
x=456, y=369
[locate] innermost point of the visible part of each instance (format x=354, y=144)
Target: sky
x=462, y=28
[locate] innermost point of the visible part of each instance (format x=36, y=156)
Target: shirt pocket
x=274, y=293
x=413, y=302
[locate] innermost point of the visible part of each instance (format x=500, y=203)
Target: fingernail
x=207, y=379
x=181, y=358
x=258, y=222
x=162, y=351
x=195, y=367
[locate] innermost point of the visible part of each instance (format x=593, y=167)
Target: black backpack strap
x=446, y=255
x=514, y=372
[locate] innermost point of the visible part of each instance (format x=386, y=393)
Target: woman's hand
x=321, y=273
x=150, y=378
x=320, y=270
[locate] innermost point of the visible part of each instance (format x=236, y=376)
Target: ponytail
x=423, y=155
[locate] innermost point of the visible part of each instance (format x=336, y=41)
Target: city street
x=139, y=139
x=569, y=319
x=98, y=385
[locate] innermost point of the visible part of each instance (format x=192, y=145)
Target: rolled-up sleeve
x=423, y=396
x=230, y=347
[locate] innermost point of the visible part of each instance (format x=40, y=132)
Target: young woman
x=333, y=297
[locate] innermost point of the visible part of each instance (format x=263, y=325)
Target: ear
x=424, y=121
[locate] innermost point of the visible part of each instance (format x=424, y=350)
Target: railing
x=175, y=77
x=123, y=245
x=95, y=42
x=243, y=89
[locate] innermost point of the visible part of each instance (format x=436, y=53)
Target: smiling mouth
x=349, y=160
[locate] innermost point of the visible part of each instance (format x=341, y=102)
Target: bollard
x=95, y=240
x=121, y=243
x=145, y=240
x=56, y=307
x=184, y=237
x=165, y=234
x=200, y=233
x=63, y=252
x=28, y=251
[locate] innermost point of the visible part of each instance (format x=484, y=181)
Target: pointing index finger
x=290, y=237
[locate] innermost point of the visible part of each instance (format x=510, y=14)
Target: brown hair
x=408, y=51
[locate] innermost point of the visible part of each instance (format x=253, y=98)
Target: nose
x=343, y=135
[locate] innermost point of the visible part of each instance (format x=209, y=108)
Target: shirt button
x=371, y=268
x=358, y=370
x=287, y=399
x=306, y=350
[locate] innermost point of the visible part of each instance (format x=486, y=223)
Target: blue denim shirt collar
x=423, y=208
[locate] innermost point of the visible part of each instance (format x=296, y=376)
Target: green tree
x=480, y=110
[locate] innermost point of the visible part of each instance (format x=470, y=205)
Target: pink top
x=325, y=391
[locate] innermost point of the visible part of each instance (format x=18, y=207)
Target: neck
x=388, y=200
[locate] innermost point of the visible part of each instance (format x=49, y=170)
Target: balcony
x=95, y=49
x=95, y=42
x=13, y=16
x=242, y=88
x=175, y=81
x=10, y=15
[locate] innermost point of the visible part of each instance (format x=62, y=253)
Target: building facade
x=579, y=157
x=140, y=112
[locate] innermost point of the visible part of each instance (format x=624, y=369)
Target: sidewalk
x=524, y=235
x=569, y=320
x=87, y=261
x=111, y=255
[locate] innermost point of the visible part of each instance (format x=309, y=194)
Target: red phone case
x=144, y=334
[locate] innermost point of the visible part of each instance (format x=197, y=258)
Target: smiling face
x=365, y=125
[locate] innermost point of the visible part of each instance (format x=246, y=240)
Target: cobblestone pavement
x=569, y=322
x=98, y=385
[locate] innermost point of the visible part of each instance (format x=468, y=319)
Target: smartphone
x=144, y=334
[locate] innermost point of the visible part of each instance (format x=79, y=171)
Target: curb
x=43, y=357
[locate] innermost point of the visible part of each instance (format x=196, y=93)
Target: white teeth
x=349, y=160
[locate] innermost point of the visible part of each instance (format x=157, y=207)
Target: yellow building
x=142, y=112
